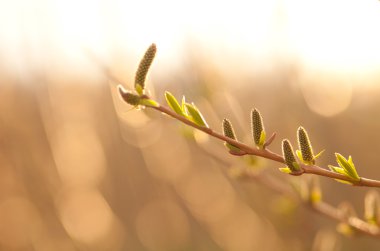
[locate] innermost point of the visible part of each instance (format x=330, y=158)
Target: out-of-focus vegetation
x=77, y=174
x=81, y=170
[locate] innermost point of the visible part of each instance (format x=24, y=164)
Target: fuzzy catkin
x=228, y=130
x=257, y=125
x=305, y=146
x=144, y=66
x=287, y=152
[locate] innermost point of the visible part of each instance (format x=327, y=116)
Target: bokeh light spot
x=326, y=95
x=85, y=214
x=79, y=155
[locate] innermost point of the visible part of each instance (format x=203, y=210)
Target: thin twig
x=320, y=207
x=267, y=154
x=356, y=223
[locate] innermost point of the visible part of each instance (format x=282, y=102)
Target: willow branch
x=267, y=154
x=322, y=208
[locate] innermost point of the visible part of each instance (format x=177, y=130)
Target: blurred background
x=81, y=170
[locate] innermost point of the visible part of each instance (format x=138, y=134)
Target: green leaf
x=350, y=161
x=173, y=103
x=285, y=170
x=340, y=171
x=149, y=102
x=348, y=166
x=195, y=115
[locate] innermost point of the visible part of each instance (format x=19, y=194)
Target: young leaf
x=305, y=147
x=285, y=170
x=340, y=171
x=348, y=166
x=195, y=115
x=257, y=128
x=143, y=68
x=173, y=103
x=290, y=159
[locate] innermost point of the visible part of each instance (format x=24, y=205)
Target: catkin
x=257, y=125
x=144, y=65
x=305, y=146
x=287, y=152
x=228, y=130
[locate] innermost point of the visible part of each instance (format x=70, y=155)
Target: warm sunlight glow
x=340, y=35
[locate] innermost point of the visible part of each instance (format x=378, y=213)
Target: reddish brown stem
x=267, y=154
x=321, y=207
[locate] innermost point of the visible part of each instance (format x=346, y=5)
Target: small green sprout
x=189, y=111
x=195, y=115
x=173, y=103
x=346, y=168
